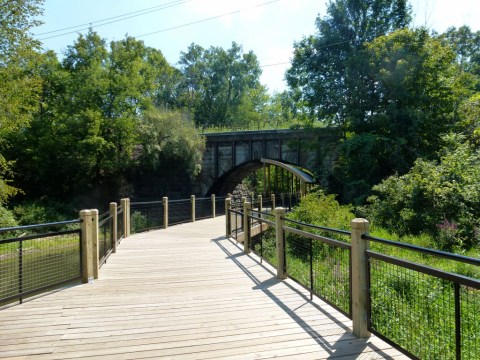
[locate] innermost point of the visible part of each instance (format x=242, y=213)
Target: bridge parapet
x=229, y=151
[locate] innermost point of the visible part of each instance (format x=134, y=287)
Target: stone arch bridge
x=231, y=156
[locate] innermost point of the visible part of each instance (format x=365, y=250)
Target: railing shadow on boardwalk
x=361, y=344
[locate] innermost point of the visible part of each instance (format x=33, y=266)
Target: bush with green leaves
x=440, y=197
x=317, y=208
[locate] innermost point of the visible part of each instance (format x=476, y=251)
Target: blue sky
x=268, y=27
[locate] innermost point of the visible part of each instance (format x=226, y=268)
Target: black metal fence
x=120, y=225
x=426, y=312
x=35, y=258
x=262, y=236
x=320, y=263
x=220, y=205
x=105, y=237
x=236, y=222
x=146, y=215
x=203, y=208
x=179, y=211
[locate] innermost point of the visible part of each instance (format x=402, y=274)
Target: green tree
x=329, y=72
x=19, y=84
x=441, y=197
x=466, y=45
x=219, y=82
x=417, y=91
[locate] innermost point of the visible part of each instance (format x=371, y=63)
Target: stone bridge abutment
x=231, y=156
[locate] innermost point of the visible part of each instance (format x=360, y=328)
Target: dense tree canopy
x=221, y=83
x=329, y=68
x=19, y=84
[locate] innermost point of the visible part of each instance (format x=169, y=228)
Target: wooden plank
x=182, y=292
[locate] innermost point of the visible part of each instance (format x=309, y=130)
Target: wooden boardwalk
x=182, y=293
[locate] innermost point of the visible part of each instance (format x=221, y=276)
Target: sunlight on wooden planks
x=182, y=293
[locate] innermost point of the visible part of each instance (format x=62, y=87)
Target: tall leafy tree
x=329, y=68
x=417, y=90
x=218, y=81
x=19, y=84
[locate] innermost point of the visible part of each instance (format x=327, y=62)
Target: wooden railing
x=425, y=312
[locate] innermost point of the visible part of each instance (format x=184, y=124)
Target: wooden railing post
x=113, y=214
x=213, y=205
x=126, y=217
x=165, y=212
x=87, y=245
x=359, y=277
x=247, y=206
x=273, y=202
x=96, y=262
x=228, y=218
x=192, y=199
x=279, y=235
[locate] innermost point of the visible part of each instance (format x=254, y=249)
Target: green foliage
x=220, y=85
x=442, y=198
x=138, y=222
x=317, y=208
x=19, y=85
x=329, y=72
x=7, y=219
x=169, y=139
x=40, y=212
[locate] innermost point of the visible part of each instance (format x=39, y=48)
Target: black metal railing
x=236, y=222
x=38, y=257
x=203, y=208
x=105, y=237
x=220, y=205
x=320, y=263
x=426, y=312
x=262, y=236
x=146, y=215
x=179, y=211
x=120, y=225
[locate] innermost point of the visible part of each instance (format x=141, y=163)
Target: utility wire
x=165, y=6
x=146, y=10
x=208, y=19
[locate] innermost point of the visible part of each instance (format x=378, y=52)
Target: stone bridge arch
x=228, y=181
x=230, y=157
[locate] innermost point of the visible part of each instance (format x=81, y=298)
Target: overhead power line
x=111, y=20
x=207, y=19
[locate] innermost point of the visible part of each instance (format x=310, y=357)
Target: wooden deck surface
x=182, y=293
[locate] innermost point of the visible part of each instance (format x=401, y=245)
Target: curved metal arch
x=302, y=175
x=227, y=182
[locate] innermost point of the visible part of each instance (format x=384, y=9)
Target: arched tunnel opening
x=285, y=177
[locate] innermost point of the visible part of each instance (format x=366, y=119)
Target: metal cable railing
x=203, y=208
x=179, y=211
x=220, y=205
x=262, y=236
x=105, y=238
x=120, y=225
x=38, y=257
x=236, y=222
x=320, y=263
x=146, y=215
x=426, y=312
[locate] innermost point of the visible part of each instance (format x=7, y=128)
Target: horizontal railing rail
x=426, y=310
x=32, y=263
x=438, y=253
x=38, y=226
x=319, y=263
x=105, y=238
x=410, y=302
